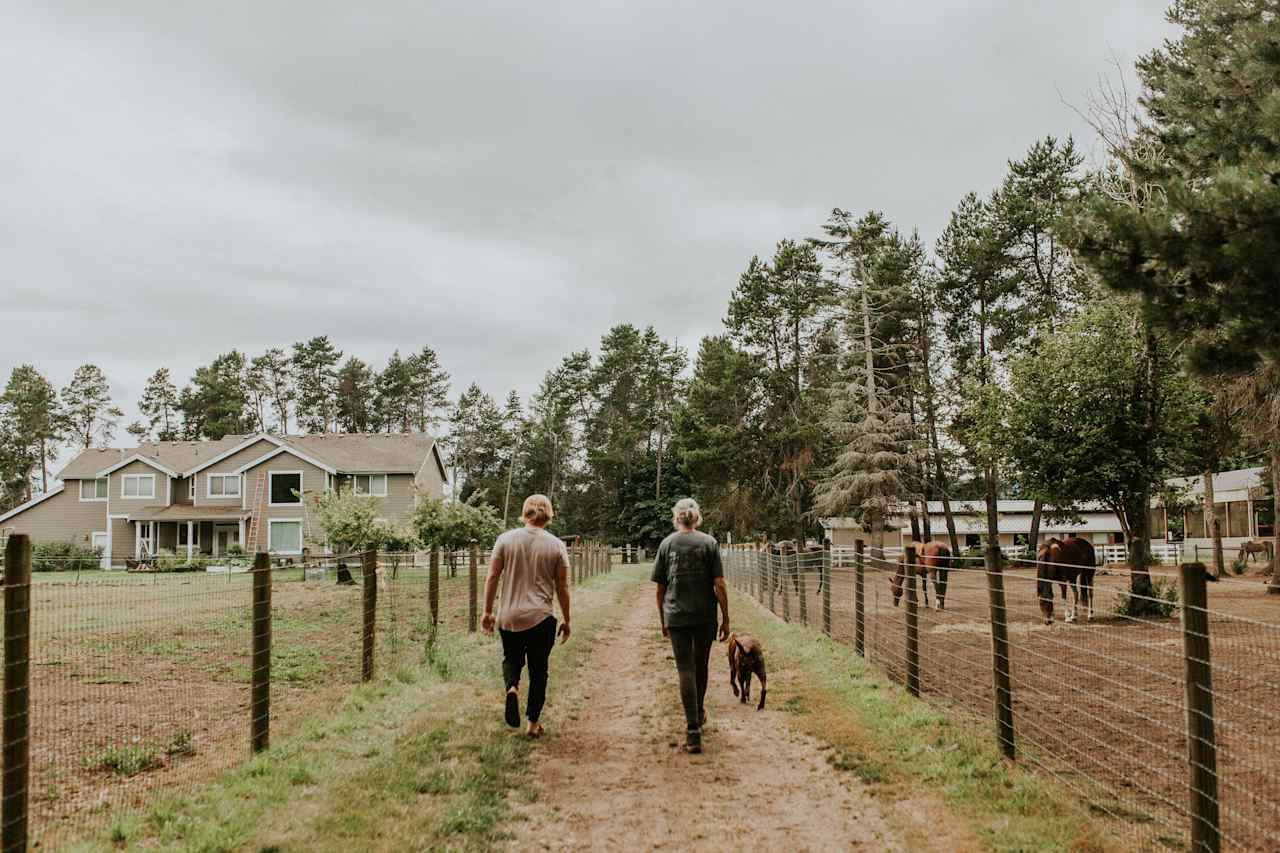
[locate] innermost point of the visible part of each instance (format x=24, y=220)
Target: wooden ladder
x=255, y=519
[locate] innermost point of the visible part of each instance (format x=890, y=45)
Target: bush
x=127, y=760
x=165, y=560
x=64, y=557
x=1162, y=602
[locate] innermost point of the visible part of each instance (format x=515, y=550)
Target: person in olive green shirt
x=690, y=583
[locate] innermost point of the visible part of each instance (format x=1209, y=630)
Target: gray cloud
x=500, y=181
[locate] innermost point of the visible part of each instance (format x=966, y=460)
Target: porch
x=187, y=531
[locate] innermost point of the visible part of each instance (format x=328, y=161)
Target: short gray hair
x=686, y=513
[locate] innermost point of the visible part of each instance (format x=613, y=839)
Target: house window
x=972, y=540
x=285, y=488
x=374, y=485
x=182, y=534
x=93, y=490
x=191, y=488
x=224, y=485
x=1238, y=519
x=138, y=486
x=284, y=536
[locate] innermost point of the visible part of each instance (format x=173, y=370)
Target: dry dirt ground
x=611, y=775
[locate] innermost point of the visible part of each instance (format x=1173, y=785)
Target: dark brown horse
x=1069, y=562
x=792, y=560
x=933, y=560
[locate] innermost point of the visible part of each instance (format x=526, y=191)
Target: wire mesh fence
x=1161, y=710
x=127, y=685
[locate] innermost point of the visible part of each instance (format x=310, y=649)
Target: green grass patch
x=903, y=747
x=126, y=759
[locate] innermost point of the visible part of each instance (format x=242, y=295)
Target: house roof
x=351, y=453
x=181, y=512
x=56, y=490
x=1240, y=480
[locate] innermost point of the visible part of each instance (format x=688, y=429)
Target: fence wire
x=140, y=683
x=1099, y=703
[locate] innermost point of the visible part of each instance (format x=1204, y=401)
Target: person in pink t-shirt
x=534, y=567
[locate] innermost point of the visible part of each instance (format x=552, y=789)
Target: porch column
x=243, y=545
x=190, y=539
x=137, y=540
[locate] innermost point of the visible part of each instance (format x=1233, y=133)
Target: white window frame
x=125, y=478
x=301, y=485
x=355, y=489
x=95, y=498
x=191, y=487
x=272, y=522
x=209, y=478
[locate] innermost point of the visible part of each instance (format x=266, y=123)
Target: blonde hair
x=686, y=513
x=537, y=510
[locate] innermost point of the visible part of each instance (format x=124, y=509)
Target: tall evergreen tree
x=217, y=403
x=160, y=405
x=274, y=371
x=315, y=375
x=355, y=396
x=34, y=427
x=429, y=386
x=87, y=408
x=395, y=395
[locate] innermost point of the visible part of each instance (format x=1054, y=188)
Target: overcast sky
x=502, y=182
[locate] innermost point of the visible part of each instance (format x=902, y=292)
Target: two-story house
x=202, y=497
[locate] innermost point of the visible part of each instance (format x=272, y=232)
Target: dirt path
x=612, y=778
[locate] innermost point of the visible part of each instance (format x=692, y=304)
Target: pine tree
x=315, y=373
x=429, y=386
x=217, y=403
x=33, y=425
x=355, y=396
x=139, y=432
x=274, y=371
x=87, y=408
x=395, y=397
x=160, y=405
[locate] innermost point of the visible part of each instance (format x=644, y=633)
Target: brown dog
x=745, y=657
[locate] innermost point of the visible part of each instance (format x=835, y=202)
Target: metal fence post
x=473, y=578
x=1000, y=663
x=17, y=691
x=369, y=570
x=913, y=624
x=826, y=588
x=859, y=607
x=260, y=691
x=1202, y=747
x=433, y=586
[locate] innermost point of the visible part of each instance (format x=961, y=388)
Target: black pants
x=534, y=646
x=692, y=649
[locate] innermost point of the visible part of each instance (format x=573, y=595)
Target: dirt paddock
x=1099, y=704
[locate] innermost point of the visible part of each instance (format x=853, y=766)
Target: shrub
x=1162, y=602
x=64, y=557
x=165, y=560
x=182, y=743
x=128, y=760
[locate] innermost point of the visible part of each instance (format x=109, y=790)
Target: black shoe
x=693, y=742
x=513, y=709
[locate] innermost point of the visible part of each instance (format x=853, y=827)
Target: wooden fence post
x=1202, y=747
x=859, y=607
x=473, y=580
x=802, y=588
x=369, y=570
x=826, y=588
x=913, y=625
x=260, y=691
x=17, y=691
x=433, y=586
x=768, y=570
x=1000, y=663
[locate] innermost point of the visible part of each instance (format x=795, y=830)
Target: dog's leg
x=763, y=686
x=746, y=687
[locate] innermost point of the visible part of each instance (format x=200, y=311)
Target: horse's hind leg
x=940, y=587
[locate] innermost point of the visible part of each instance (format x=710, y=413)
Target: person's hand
x=724, y=630
x=665, y=632
x=564, y=633
x=486, y=623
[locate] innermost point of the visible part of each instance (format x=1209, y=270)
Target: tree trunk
x=44, y=465
x=1273, y=588
x=1213, y=523
x=1138, y=514
x=1033, y=537
x=940, y=478
x=915, y=523
x=876, y=523
x=926, y=524
x=993, y=515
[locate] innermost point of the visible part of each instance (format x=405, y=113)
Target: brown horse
x=1069, y=562
x=933, y=560
x=793, y=560
x=1251, y=547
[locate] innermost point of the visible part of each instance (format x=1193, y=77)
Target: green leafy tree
x=455, y=524
x=273, y=376
x=350, y=522
x=1079, y=426
x=139, y=432
x=87, y=408
x=315, y=375
x=160, y=405
x=428, y=387
x=1256, y=397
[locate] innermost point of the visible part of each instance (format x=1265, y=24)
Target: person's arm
x=659, y=578
x=491, y=590
x=562, y=593
x=722, y=592
x=722, y=595
x=662, y=615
